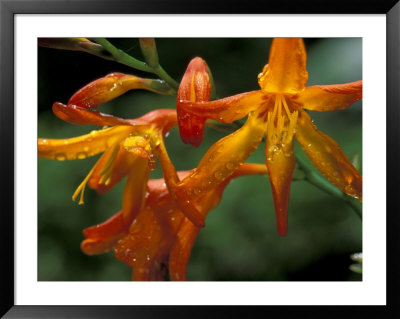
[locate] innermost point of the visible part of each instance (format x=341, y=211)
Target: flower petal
x=76, y=115
x=223, y=158
x=135, y=189
x=171, y=180
x=280, y=163
x=229, y=109
x=111, y=86
x=330, y=97
x=82, y=146
x=102, y=238
x=286, y=69
x=328, y=157
x=180, y=253
x=110, y=228
x=103, y=182
x=97, y=246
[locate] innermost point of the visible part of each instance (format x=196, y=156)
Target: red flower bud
x=195, y=87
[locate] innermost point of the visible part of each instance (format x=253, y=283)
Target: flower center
x=281, y=122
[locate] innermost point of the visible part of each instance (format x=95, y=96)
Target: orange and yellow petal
x=83, y=146
x=180, y=252
x=280, y=163
x=111, y=86
x=328, y=157
x=229, y=109
x=330, y=97
x=286, y=69
x=223, y=158
x=112, y=167
x=161, y=119
x=135, y=189
x=76, y=115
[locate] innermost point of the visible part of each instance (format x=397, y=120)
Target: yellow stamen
x=81, y=187
x=292, y=121
x=106, y=171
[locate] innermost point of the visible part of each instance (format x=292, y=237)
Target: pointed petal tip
x=281, y=223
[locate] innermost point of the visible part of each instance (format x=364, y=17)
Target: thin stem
x=165, y=76
x=124, y=58
x=314, y=178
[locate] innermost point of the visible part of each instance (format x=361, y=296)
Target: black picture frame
x=8, y=10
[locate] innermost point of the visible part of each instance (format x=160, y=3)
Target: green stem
x=124, y=58
x=314, y=178
x=165, y=76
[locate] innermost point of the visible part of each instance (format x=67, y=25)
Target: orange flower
x=277, y=112
x=195, y=86
x=130, y=147
x=160, y=238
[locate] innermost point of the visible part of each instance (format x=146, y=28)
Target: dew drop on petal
x=136, y=227
x=218, y=175
x=60, y=157
x=81, y=155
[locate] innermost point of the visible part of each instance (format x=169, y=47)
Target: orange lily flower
x=129, y=147
x=160, y=238
x=276, y=111
x=128, y=150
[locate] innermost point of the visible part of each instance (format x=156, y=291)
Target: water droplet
x=309, y=145
x=218, y=175
x=44, y=141
x=81, y=155
x=86, y=149
x=66, y=142
x=148, y=257
x=229, y=166
x=136, y=227
x=60, y=157
x=349, y=189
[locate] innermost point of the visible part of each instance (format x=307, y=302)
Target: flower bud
x=195, y=87
x=149, y=50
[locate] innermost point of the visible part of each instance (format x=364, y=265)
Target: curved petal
x=110, y=228
x=223, y=158
x=76, y=115
x=82, y=146
x=102, y=238
x=111, y=86
x=229, y=109
x=97, y=246
x=328, y=157
x=280, y=163
x=286, y=69
x=171, y=180
x=330, y=97
x=180, y=253
x=103, y=177
x=135, y=189
x=162, y=119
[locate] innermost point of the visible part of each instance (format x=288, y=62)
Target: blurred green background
x=240, y=241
